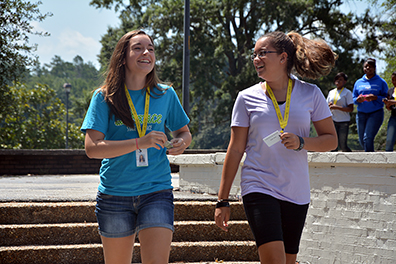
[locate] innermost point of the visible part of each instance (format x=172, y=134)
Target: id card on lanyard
x=141, y=154
x=275, y=136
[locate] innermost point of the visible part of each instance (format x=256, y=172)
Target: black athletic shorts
x=271, y=219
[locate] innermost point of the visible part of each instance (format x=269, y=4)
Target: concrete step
x=87, y=233
x=81, y=212
x=66, y=232
x=184, y=252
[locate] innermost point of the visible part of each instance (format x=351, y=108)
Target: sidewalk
x=59, y=188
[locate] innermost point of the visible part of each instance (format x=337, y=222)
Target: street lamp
x=67, y=87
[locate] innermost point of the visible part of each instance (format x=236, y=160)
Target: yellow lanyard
x=337, y=97
x=141, y=131
x=394, y=93
x=282, y=120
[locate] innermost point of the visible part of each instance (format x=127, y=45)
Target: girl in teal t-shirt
x=125, y=127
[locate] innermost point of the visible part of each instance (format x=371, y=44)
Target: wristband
x=301, y=144
x=222, y=204
x=137, y=147
x=224, y=200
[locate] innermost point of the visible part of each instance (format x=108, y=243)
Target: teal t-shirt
x=120, y=176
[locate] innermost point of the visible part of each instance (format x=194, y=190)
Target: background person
x=341, y=104
x=390, y=103
x=274, y=177
x=368, y=93
x=127, y=118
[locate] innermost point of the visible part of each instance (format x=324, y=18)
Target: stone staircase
x=66, y=232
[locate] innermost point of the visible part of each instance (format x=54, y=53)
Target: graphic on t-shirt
x=152, y=119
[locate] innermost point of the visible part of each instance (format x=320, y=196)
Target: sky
x=76, y=28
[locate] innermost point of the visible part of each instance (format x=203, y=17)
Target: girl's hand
x=154, y=139
x=222, y=215
x=290, y=140
x=178, y=146
x=371, y=97
x=361, y=98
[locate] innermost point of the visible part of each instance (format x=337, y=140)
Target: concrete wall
x=46, y=161
x=352, y=215
x=58, y=161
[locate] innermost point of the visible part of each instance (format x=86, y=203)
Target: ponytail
x=309, y=58
x=313, y=58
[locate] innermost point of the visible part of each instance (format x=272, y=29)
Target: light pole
x=67, y=87
x=186, y=58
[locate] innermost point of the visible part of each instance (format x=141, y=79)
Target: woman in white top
x=271, y=123
x=340, y=102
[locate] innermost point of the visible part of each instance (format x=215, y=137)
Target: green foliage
x=35, y=119
x=222, y=36
x=15, y=52
x=83, y=77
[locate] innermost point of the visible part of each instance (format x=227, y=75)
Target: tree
x=15, y=52
x=389, y=30
x=83, y=77
x=222, y=37
x=36, y=120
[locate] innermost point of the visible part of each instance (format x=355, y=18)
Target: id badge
x=141, y=158
x=272, y=138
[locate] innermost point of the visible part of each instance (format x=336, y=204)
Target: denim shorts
x=122, y=216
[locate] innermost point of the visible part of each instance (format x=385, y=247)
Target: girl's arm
x=348, y=108
x=325, y=141
x=232, y=160
x=96, y=147
x=181, y=140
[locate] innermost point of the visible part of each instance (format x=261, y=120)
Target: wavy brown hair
x=309, y=58
x=113, y=88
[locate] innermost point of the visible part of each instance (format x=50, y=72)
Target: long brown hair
x=310, y=58
x=113, y=87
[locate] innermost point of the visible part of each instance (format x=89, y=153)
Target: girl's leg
x=291, y=258
x=343, y=136
x=374, y=122
x=155, y=245
x=361, y=120
x=391, y=134
x=272, y=253
x=155, y=226
x=118, y=250
x=336, y=125
x=116, y=222
x=293, y=221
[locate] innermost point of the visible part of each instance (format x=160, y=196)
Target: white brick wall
x=352, y=215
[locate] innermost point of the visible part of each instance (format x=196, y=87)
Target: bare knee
x=272, y=253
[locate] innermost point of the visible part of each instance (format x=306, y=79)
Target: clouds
x=74, y=43
x=76, y=29
x=66, y=43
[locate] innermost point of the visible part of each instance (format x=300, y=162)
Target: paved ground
x=67, y=188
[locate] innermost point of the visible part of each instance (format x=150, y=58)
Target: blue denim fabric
x=368, y=125
x=342, y=129
x=391, y=134
x=121, y=216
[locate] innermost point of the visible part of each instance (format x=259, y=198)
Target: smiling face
x=271, y=64
x=140, y=56
x=369, y=70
